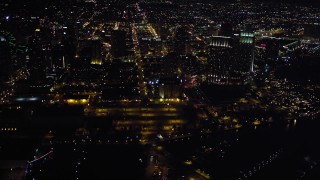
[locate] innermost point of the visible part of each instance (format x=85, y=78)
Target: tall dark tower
x=312, y=31
x=36, y=64
x=5, y=60
x=69, y=41
x=226, y=30
x=180, y=41
x=118, y=43
x=89, y=51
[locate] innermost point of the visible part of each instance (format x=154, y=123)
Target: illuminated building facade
x=245, y=51
x=76, y=99
x=219, y=62
x=231, y=59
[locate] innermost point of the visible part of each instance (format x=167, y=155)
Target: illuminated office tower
x=244, y=53
x=219, y=62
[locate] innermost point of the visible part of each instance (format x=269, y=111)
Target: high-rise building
x=245, y=52
x=69, y=42
x=5, y=60
x=118, y=43
x=312, y=31
x=36, y=64
x=219, y=62
x=170, y=88
x=180, y=41
x=226, y=30
x=89, y=51
x=231, y=59
x=271, y=49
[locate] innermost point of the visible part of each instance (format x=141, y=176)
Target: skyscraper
x=231, y=59
x=245, y=52
x=5, y=59
x=180, y=41
x=219, y=63
x=89, y=51
x=226, y=30
x=36, y=64
x=118, y=43
x=312, y=31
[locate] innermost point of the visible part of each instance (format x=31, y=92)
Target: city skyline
x=159, y=90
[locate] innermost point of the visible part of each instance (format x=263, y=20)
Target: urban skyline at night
x=159, y=89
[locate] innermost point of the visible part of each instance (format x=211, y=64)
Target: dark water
x=91, y=162
x=266, y=152
x=270, y=151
